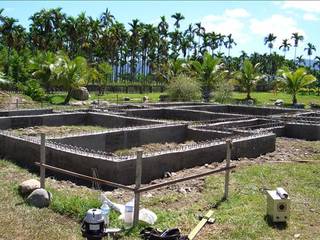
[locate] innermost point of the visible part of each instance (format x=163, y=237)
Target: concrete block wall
x=122, y=139
x=123, y=171
x=240, y=109
x=23, y=112
x=305, y=131
x=156, y=166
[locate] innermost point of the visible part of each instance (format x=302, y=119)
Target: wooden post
x=17, y=103
x=42, y=160
x=227, y=172
x=138, y=184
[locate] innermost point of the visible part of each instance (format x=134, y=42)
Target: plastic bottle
x=105, y=209
x=128, y=213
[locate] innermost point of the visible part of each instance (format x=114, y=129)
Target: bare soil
x=153, y=147
x=53, y=131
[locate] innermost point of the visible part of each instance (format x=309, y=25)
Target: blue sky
x=248, y=21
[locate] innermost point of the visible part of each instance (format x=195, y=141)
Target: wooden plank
x=154, y=186
x=67, y=172
x=200, y=225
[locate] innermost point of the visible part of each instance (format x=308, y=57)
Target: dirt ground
x=55, y=131
x=153, y=147
x=287, y=149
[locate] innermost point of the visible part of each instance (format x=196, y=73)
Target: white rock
x=29, y=186
x=39, y=198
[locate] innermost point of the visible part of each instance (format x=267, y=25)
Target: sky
x=248, y=21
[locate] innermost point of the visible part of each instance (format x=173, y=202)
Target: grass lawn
x=267, y=98
x=241, y=217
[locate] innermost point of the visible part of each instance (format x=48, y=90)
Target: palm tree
x=310, y=48
x=178, y=17
x=300, y=60
x=268, y=40
x=316, y=62
x=209, y=72
x=70, y=74
x=42, y=68
x=106, y=19
x=248, y=76
x=229, y=43
x=296, y=80
x=296, y=37
x=285, y=46
x=133, y=45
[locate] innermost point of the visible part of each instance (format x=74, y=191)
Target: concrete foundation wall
x=23, y=112
x=124, y=139
x=246, y=110
x=155, y=167
x=74, y=118
x=115, y=121
x=26, y=153
x=302, y=131
x=177, y=114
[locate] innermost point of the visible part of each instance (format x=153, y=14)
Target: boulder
x=39, y=198
x=278, y=102
x=81, y=93
x=76, y=104
x=145, y=98
x=29, y=186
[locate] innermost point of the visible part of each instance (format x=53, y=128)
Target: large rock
x=29, y=186
x=39, y=198
x=81, y=94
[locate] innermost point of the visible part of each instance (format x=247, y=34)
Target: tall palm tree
x=285, y=46
x=133, y=45
x=268, y=40
x=178, y=17
x=296, y=80
x=296, y=38
x=106, y=19
x=229, y=43
x=310, y=49
x=248, y=76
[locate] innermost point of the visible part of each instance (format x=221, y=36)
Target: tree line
x=67, y=51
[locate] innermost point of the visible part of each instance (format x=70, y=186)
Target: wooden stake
x=138, y=184
x=42, y=160
x=227, y=173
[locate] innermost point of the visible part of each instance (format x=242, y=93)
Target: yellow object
x=200, y=225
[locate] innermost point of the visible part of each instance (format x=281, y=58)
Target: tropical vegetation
x=61, y=52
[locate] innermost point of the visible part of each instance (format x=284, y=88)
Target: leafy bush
x=223, y=92
x=32, y=89
x=184, y=88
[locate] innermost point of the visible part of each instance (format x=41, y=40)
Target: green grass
x=134, y=97
x=241, y=217
x=268, y=98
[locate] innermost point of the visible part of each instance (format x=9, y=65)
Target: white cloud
x=310, y=17
x=307, y=6
x=236, y=13
x=280, y=25
x=231, y=21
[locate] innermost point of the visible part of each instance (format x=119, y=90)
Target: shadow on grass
x=276, y=225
